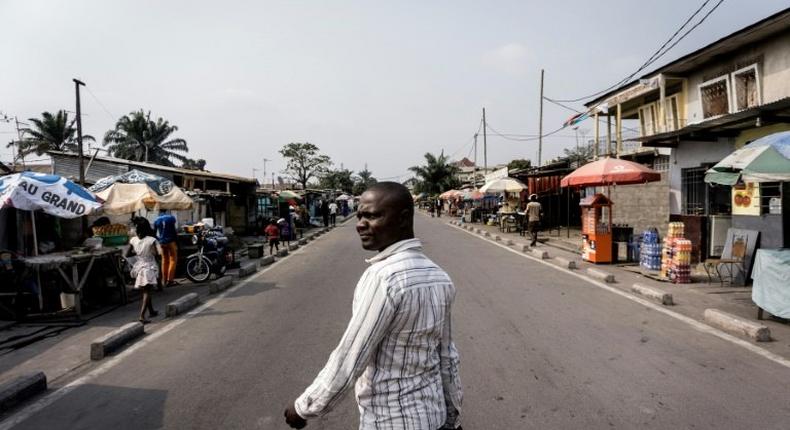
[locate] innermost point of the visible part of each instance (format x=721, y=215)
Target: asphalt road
x=539, y=349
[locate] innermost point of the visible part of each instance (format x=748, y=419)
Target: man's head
x=533, y=197
x=385, y=215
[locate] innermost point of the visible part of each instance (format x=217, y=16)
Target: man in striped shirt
x=398, y=345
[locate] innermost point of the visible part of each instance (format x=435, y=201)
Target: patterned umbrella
x=52, y=194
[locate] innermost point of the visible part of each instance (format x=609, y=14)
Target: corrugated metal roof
x=151, y=168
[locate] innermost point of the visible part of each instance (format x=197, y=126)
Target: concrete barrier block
x=115, y=339
x=303, y=241
x=293, y=246
x=566, y=262
x=497, y=237
x=509, y=242
x=21, y=388
x=265, y=261
x=220, y=284
x=182, y=305
x=653, y=294
x=737, y=325
x=487, y=233
x=524, y=247
x=282, y=252
x=248, y=268
x=600, y=275
x=539, y=253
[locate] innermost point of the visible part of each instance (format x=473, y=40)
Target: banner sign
x=746, y=199
x=53, y=194
x=497, y=174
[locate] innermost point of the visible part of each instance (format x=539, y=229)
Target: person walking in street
x=398, y=345
x=534, y=214
x=438, y=208
x=333, y=213
x=273, y=236
x=325, y=212
x=166, y=235
x=144, y=269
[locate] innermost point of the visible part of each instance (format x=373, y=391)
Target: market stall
x=510, y=189
x=597, y=209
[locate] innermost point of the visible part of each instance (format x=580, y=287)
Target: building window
x=693, y=186
x=648, y=119
x=715, y=96
x=671, y=113
x=661, y=163
x=747, y=90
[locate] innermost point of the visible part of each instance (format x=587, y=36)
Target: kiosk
x=596, y=229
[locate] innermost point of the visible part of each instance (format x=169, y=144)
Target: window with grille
x=693, y=186
x=715, y=96
x=661, y=163
x=747, y=92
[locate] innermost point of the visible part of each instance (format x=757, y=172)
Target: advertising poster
x=746, y=199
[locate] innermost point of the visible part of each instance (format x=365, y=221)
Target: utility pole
x=253, y=173
x=77, y=84
x=474, y=172
x=485, y=145
x=540, y=122
x=264, y=168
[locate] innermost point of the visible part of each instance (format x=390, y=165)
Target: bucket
x=67, y=300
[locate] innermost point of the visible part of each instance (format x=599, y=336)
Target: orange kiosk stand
x=596, y=229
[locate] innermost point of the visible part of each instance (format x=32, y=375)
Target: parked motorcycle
x=213, y=256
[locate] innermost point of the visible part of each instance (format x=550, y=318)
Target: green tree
x=339, y=179
x=436, y=176
x=199, y=164
x=522, y=163
x=49, y=133
x=363, y=181
x=579, y=155
x=304, y=162
x=136, y=137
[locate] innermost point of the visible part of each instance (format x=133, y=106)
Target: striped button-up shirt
x=398, y=346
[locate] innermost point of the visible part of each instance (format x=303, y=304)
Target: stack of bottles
x=650, y=250
x=680, y=270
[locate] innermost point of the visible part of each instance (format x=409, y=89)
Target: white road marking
x=704, y=328
x=33, y=408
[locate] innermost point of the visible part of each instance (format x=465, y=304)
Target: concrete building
x=695, y=111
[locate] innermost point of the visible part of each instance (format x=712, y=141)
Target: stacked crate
x=650, y=250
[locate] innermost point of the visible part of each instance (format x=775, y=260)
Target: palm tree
x=436, y=176
x=49, y=133
x=136, y=137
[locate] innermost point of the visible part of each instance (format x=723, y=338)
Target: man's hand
x=293, y=419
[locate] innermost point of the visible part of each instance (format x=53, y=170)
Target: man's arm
x=451, y=382
x=373, y=311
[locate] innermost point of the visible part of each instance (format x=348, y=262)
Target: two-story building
x=698, y=109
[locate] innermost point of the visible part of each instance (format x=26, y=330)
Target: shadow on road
x=102, y=407
x=252, y=289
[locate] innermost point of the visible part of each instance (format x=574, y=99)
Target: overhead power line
x=660, y=52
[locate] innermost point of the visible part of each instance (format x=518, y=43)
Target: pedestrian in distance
x=166, y=235
x=438, y=208
x=325, y=212
x=144, y=269
x=431, y=209
x=398, y=345
x=534, y=215
x=333, y=213
x=273, y=235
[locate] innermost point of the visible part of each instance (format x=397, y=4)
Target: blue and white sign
x=53, y=194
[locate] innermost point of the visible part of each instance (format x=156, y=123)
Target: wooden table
x=68, y=265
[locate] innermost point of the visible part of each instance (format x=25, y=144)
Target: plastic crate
x=115, y=240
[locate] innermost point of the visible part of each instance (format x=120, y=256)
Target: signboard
x=497, y=174
x=746, y=199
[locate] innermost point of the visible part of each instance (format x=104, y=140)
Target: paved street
x=539, y=349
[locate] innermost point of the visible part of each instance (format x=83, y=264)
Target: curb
x=293, y=246
x=487, y=234
x=303, y=241
x=738, y=325
x=248, y=269
x=653, y=294
x=539, y=253
x=497, y=238
x=20, y=389
x=265, y=261
x=570, y=264
x=115, y=339
x=182, y=305
x=283, y=252
x=600, y=274
x=220, y=284
x=509, y=242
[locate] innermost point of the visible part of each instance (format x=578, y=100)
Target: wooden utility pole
x=485, y=146
x=474, y=171
x=540, y=122
x=80, y=156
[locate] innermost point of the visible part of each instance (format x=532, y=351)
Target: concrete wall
x=693, y=154
x=643, y=205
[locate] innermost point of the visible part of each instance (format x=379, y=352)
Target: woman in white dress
x=145, y=270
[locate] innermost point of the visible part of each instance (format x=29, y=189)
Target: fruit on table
x=111, y=230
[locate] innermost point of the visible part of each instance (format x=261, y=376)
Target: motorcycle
x=213, y=256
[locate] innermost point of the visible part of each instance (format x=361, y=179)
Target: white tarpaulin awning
x=52, y=194
x=121, y=198
x=509, y=185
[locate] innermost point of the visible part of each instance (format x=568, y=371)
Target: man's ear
x=404, y=221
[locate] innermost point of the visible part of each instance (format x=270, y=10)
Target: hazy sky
x=368, y=82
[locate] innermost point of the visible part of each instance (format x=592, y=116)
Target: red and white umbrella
x=610, y=171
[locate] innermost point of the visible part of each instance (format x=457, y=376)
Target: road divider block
x=293, y=246
x=282, y=253
x=566, y=262
x=21, y=388
x=497, y=237
x=600, y=275
x=115, y=339
x=653, y=294
x=303, y=241
x=737, y=325
x=509, y=242
x=220, y=284
x=181, y=305
x=487, y=234
x=265, y=261
x=539, y=253
x=248, y=269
